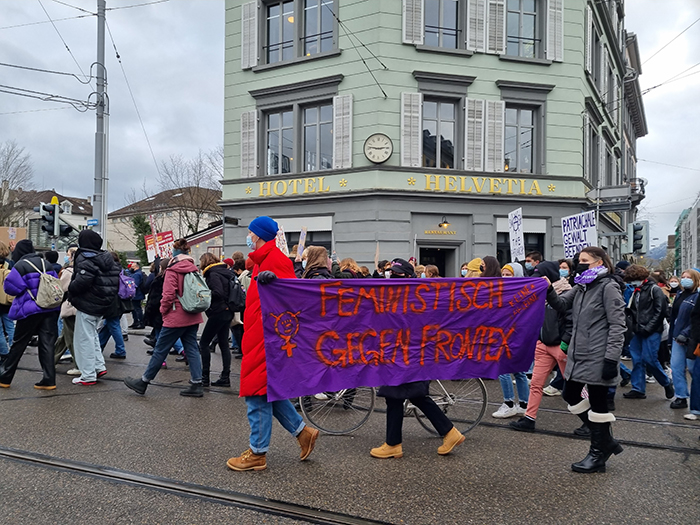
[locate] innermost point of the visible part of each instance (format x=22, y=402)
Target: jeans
x=260, y=413
x=645, y=351
x=65, y=340
x=7, y=333
x=137, y=312
x=394, y=417
x=695, y=389
x=217, y=325
x=112, y=328
x=558, y=381
x=86, y=346
x=166, y=340
x=520, y=383
x=177, y=345
x=43, y=325
x=678, y=365
x=546, y=358
x=625, y=372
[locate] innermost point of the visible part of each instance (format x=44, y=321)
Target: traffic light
x=639, y=237
x=49, y=214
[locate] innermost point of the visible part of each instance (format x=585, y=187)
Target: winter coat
x=681, y=324
x=343, y=274
x=138, y=278
x=253, y=369
x=218, y=278
x=23, y=279
x=170, y=308
x=5, y=308
x=648, y=307
x=95, y=282
x=598, y=331
x=67, y=309
x=557, y=326
x=675, y=307
x=318, y=273
x=298, y=269
x=151, y=314
x=244, y=278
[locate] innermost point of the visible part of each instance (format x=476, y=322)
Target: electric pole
x=99, y=202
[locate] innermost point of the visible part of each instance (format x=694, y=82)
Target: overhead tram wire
x=32, y=111
x=46, y=21
x=47, y=71
x=79, y=105
x=133, y=99
x=136, y=5
x=74, y=7
x=669, y=165
x=670, y=41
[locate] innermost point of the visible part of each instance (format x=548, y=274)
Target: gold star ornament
x=411, y=181
x=343, y=183
x=249, y=190
x=551, y=187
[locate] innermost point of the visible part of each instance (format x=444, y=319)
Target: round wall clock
x=378, y=148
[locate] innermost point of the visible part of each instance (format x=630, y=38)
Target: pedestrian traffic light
x=50, y=217
x=640, y=237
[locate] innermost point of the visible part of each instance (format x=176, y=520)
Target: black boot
x=205, y=379
x=222, y=381
x=584, y=430
x=194, y=390
x=137, y=385
x=603, y=445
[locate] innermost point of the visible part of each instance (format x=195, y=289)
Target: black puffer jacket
x=218, y=278
x=317, y=273
x=649, y=309
x=151, y=314
x=95, y=282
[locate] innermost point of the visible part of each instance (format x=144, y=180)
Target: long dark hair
x=599, y=254
x=491, y=267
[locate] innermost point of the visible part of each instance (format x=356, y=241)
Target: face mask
x=636, y=283
x=529, y=266
x=387, y=274
x=674, y=284
x=66, y=259
x=464, y=272
x=422, y=275
x=581, y=267
x=249, y=242
x=303, y=264
x=687, y=283
x=563, y=273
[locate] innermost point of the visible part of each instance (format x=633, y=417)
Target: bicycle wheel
x=463, y=401
x=339, y=412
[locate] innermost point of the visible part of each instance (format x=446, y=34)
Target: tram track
x=180, y=488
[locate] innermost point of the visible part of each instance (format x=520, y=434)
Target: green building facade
x=413, y=127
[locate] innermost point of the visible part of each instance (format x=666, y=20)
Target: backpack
x=49, y=294
x=5, y=299
x=127, y=286
x=236, y=295
x=196, y=295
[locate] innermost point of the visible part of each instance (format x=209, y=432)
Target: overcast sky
x=173, y=54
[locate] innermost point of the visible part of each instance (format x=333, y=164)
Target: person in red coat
x=270, y=263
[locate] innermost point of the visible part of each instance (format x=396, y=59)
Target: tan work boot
x=248, y=461
x=387, y=451
x=307, y=439
x=453, y=438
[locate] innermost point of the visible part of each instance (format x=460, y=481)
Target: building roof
x=633, y=91
x=190, y=198
x=31, y=198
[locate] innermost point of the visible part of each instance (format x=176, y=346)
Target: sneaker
x=551, y=391
x=248, y=461
x=42, y=385
x=679, y=402
x=521, y=409
x=625, y=381
x=74, y=372
x=80, y=381
x=65, y=357
x=691, y=417
x=524, y=424
x=4, y=385
x=321, y=397
x=504, y=411
x=626, y=358
x=634, y=394
x=117, y=356
x=453, y=438
x=387, y=451
x=136, y=384
x=101, y=373
x=650, y=380
x=669, y=390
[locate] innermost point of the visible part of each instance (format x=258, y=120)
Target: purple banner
x=326, y=335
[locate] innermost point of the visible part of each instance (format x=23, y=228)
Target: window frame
x=518, y=125
x=298, y=37
x=460, y=26
x=319, y=122
x=540, y=30
x=458, y=136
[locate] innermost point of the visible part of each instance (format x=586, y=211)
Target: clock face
x=378, y=148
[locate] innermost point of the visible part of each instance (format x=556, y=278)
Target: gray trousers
x=86, y=346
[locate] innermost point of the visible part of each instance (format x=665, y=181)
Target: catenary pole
x=99, y=202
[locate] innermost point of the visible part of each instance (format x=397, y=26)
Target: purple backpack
x=127, y=286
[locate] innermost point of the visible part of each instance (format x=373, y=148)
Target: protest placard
x=515, y=232
x=579, y=231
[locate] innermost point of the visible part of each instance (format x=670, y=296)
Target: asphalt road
x=497, y=476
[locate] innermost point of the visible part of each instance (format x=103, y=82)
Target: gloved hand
x=266, y=277
x=681, y=339
x=564, y=347
x=334, y=257
x=609, y=369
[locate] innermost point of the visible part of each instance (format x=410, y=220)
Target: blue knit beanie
x=264, y=227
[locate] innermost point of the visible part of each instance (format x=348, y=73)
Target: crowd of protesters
x=598, y=315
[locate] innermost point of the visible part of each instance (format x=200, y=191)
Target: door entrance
x=443, y=258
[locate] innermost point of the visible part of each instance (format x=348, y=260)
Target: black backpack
x=236, y=295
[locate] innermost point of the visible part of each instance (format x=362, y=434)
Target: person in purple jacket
x=31, y=319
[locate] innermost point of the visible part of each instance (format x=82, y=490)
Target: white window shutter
x=619, y=100
x=413, y=22
x=589, y=40
x=496, y=27
x=494, y=134
x=603, y=74
x=342, y=132
x=555, y=30
x=601, y=161
x=249, y=35
x=586, y=147
x=476, y=26
x=474, y=134
x=249, y=150
x=411, y=129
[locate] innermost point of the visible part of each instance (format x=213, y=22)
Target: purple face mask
x=590, y=275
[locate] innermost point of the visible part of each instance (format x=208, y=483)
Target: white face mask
x=387, y=274
x=422, y=275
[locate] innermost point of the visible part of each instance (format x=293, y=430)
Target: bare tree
x=16, y=175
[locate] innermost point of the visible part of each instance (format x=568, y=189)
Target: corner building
x=418, y=125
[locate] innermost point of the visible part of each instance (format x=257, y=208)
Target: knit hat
x=22, y=248
x=515, y=268
x=229, y=262
x=91, y=240
x=402, y=267
x=622, y=265
x=264, y=227
x=475, y=265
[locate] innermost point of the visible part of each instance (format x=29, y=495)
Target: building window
x=519, y=139
x=318, y=138
x=596, y=61
x=280, y=32
x=439, y=126
x=67, y=208
x=279, y=142
x=441, y=23
x=318, y=26
x=609, y=168
x=534, y=242
x=521, y=29
x=593, y=156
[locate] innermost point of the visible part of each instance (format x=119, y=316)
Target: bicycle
x=343, y=412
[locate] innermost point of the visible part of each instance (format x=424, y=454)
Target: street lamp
x=444, y=224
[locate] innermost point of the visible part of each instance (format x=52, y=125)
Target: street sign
x=579, y=231
x=610, y=192
x=515, y=232
x=611, y=206
x=93, y=222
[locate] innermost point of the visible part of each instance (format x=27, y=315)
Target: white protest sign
x=579, y=231
x=281, y=241
x=515, y=231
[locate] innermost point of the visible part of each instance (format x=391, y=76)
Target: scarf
x=590, y=275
